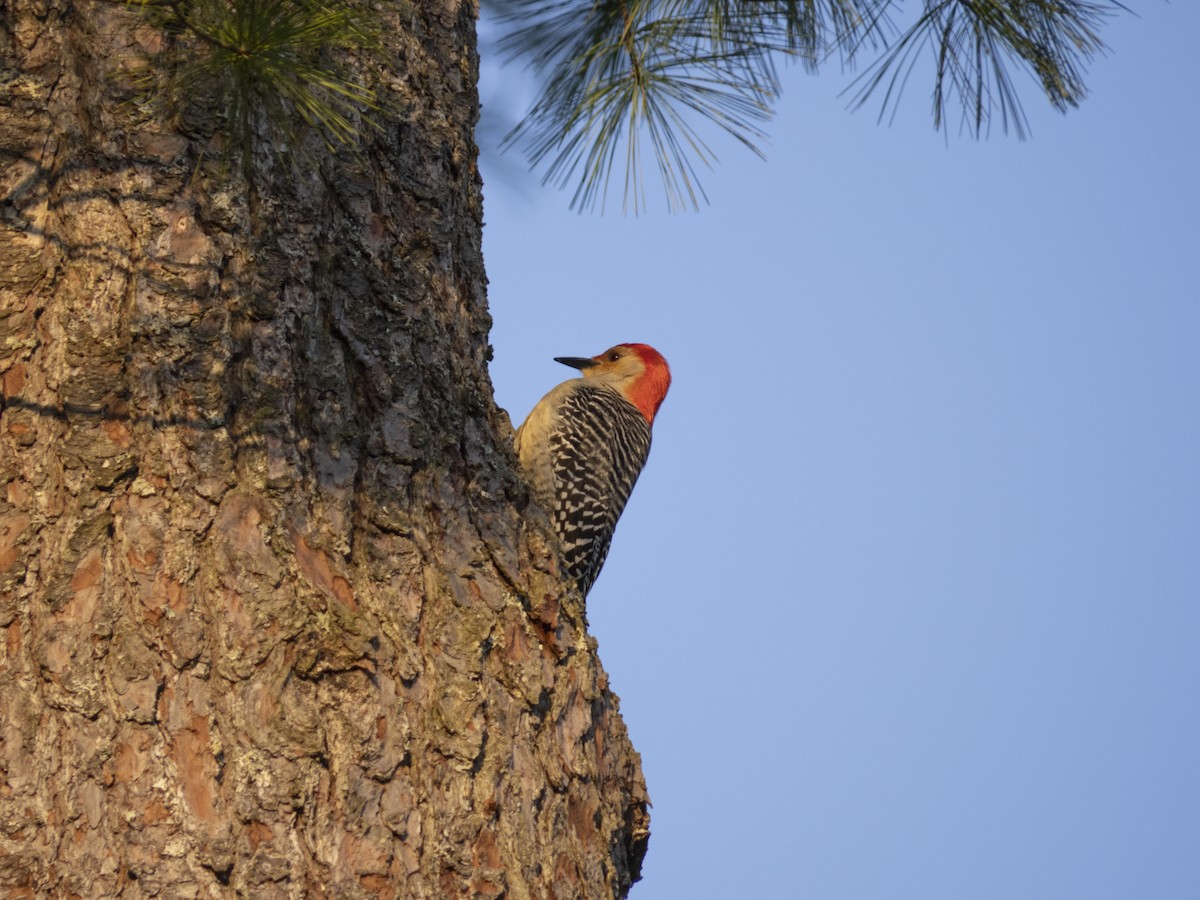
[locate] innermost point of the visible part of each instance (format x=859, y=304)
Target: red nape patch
x=650, y=389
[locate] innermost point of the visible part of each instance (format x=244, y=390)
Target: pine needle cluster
x=268, y=67
x=620, y=73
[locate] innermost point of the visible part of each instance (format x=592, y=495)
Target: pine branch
x=976, y=44
x=620, y=72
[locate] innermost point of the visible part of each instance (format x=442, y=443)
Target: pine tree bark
x=275, y=620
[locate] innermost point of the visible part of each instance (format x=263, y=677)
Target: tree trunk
x=274, y=621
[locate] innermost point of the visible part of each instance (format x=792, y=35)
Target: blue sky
x=906, y=603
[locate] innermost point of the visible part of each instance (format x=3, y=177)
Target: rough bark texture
x=272, y=622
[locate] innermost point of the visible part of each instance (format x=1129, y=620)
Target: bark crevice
x=274, y=620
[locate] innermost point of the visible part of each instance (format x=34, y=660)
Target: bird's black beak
x=575, y=362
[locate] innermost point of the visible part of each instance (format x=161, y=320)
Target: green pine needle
x=269, y=64
x=976, y=44
x=623, y=73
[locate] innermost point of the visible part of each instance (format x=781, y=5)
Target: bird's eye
x=614, y=356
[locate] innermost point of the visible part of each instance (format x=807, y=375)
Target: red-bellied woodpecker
x=584, y=444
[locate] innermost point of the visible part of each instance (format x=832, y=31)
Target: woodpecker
x=584, y=444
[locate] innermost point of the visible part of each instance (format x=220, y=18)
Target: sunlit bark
x=270, y=620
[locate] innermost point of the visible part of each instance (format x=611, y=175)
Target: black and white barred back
x=598, y=450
